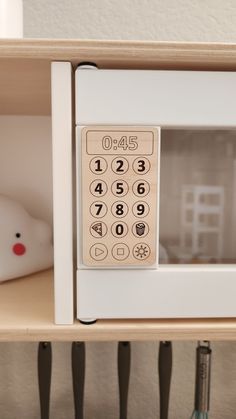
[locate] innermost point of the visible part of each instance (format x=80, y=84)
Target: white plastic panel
x=162, y=293
x=151, y=97
x=62, y=191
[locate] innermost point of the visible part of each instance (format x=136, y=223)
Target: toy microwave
x=156, y=193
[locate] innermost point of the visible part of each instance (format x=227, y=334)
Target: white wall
x=174, y=20
x=163, y=20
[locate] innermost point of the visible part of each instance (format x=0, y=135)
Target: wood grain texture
x=26, y=314
x=25, y=64
x=129, y=54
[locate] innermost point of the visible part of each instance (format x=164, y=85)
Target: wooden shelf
x=26, y=314
x=25, y=64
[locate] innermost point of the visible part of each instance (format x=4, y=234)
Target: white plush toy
x=25, y=242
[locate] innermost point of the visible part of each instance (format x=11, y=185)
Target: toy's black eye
x=18, y=235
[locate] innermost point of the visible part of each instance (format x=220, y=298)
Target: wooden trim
x=126, y=54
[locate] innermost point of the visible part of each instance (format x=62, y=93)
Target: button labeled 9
x=140, y=209
x=141, y=188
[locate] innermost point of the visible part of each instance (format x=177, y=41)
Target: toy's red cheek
x=19, y=249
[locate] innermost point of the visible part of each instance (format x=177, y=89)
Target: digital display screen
x=123, y=142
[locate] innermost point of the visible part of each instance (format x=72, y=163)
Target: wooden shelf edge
x=115, y=330
x=121, y=53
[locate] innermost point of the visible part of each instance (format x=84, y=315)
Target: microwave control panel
x=119, y=187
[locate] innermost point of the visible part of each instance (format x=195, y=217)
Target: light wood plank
x=26, y=314
x=130, y=54
x=24, y=87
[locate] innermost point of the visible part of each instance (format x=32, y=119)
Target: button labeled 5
x=119, y=188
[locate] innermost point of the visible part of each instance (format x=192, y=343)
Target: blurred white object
x=11, y=18
x=25, y=242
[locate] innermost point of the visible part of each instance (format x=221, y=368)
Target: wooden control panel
x=119, y=195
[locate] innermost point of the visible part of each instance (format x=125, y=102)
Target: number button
x=98, y=188
x=119, y=209
x=119, y=188
x=141, y=165
x=119, y=229
x=98, y=165
x=141, y=188
x=120, y=165
x=98, y=209
x=140, y=209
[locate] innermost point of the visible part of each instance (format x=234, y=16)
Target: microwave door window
x=198, y=197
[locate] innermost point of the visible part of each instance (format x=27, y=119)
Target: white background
x=169, y=20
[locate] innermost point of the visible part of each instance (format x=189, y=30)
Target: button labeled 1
x=98, y=165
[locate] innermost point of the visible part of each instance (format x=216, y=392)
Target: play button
x=98, y=251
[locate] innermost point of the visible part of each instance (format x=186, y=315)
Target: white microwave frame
x=169, y=99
